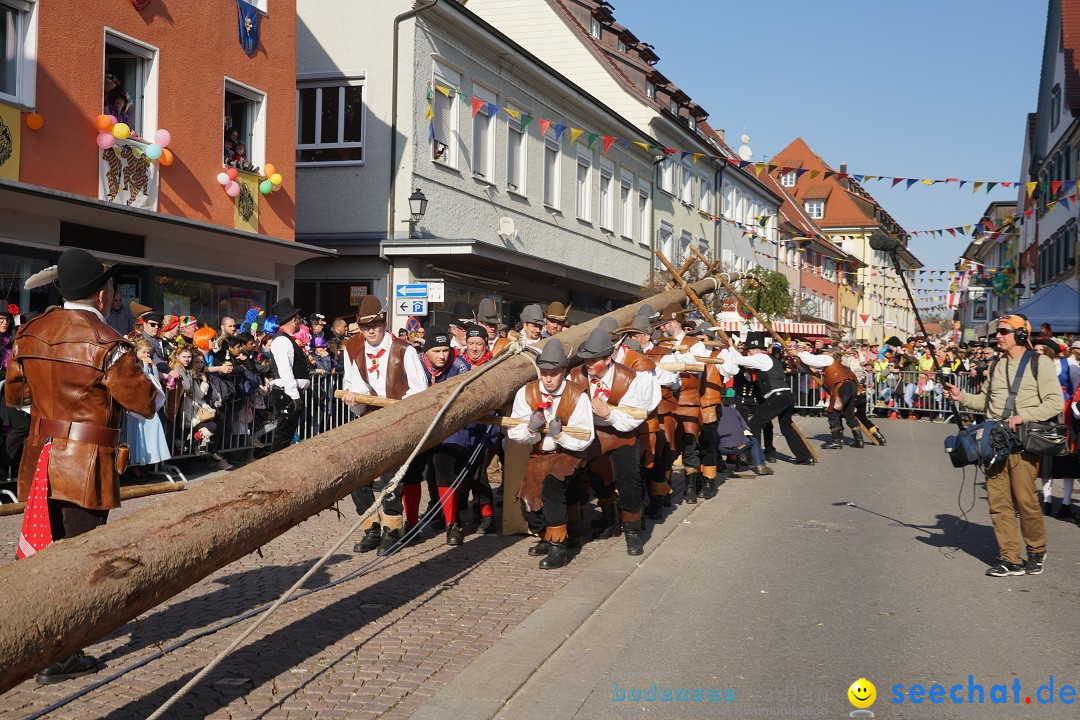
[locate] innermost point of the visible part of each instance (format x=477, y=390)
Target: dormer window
x=673, y=106
x=788, y=179
x=622, y=46
x=650, y=90
x=692, y=124
x=594, y=28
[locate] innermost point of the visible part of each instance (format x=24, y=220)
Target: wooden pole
x=78, y=590
x=127, y=492
x=690, y=293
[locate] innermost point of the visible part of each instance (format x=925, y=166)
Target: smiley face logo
x=862, y=693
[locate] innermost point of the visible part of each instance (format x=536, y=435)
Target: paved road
x=800, y=584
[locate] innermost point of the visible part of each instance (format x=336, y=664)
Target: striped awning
x=784, y=327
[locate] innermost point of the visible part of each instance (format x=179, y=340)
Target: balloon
x=34, y=121
x=153, y=151
x=166, y=156
x=276, y=187
x=268, y=170
x=266, y=187
x=162, y=138
x=232, y=189
x=232, y=173
x=276, y=178
x=223, y=178
x=113, y=119
x=121, y=131
x=104, y=123
x=105, y=140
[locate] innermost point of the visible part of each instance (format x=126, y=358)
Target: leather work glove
x=537, y=421
x=555, y=426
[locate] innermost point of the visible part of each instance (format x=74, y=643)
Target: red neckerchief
x=481, y=361
x=374, y=359
x=431, y=368
x=599, y=389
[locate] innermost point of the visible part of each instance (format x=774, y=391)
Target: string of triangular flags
x=477, y=104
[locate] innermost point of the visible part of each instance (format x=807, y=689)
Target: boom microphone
x=883, y=242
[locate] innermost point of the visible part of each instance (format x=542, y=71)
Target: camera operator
x=1014, y=479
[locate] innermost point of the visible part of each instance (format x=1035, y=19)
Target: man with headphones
x=1037, y=398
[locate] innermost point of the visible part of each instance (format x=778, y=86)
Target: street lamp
x=417, y=208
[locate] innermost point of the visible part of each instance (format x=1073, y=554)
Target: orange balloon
x=166, y=156
x=103, y=123
x=268, y=170
x=34, y=121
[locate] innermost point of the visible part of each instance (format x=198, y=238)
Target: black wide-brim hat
x=79, y=274
x=284, y=311
x=755, y=341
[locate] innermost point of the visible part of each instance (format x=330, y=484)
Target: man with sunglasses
x=151, y=331
x=1012, y=482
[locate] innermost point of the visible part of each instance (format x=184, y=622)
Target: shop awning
x=784, y=327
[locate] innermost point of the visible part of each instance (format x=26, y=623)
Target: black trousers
x=392, y=505
x=781, y=406
x=848, y=394
x=448, y=461
x=626, y=478
x=287, y=414
x=691, y=457
x=556, y=495
x=860, y=410
x=708, y=443
x=68, y=519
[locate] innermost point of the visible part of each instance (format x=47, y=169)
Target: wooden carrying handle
x=509, y=422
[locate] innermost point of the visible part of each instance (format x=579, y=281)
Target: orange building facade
x=192, y=246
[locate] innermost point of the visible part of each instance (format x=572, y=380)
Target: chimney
x=843, y=167
x=720, y=132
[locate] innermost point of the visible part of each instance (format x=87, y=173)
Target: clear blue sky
x=919, y=88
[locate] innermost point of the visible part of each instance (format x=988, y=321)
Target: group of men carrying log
x=643, y=395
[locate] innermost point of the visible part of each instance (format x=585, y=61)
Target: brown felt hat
x=370, y=310
x=671, y=311
x=558, y=312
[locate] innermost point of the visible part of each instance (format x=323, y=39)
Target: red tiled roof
x=1070, y=26
x=817, y=192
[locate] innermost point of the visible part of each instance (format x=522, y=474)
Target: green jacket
x=1034, y=402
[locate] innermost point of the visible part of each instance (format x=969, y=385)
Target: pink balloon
x=162, y=138
x=232, y=189
x=113, y=118
x=105, y=140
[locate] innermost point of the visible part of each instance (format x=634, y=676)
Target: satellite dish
x=745, y=152
x=745, y=139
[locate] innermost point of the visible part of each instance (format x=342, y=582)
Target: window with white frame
x=607, y=195
x=704, y=194
x=686, y=187
x=644, y=210
x=18, y=51
x=673, y=106
x=691, y=122
x=788, y=179
x=685, y=241
x=665, y=242
x=516, y=153
x=583, y=207
x=626, y=206
x=594, y=28
x=445, y=123
x=552, y=171
x=330, y=121
x=815, y=209
x=245, y=123
x=665, y=175
x=483, y=139
x=131, y=67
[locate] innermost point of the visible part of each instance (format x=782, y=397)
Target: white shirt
x=376, y=382
x=730, y=368
x=644, y=392
x=666, y=378
x=692, y=353
x=581, y=418
x=284, y=352
x=816, y=361
x=761, y=361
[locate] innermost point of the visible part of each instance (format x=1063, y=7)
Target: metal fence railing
x=901, y=392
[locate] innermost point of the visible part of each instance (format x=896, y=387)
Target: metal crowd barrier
x=901, y=392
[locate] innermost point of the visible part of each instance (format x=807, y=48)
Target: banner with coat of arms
x=246, y=213
x=10, y=128
x=126, y=176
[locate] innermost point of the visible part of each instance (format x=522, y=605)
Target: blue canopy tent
x=1058, y=305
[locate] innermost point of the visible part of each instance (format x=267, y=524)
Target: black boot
x=556, y=557
x=634, y=545
x=876, y=432
x=858, y=441
x=690, y=487
x=655, y=509
x=389, y=539
x=613, y=527
x=370, y=541
x=540, y=549
x=667, y=498
x=454, y=536
x=708, y=486
x=75, y=666
x=837, y=441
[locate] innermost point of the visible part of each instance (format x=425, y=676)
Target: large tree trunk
x=78, y=590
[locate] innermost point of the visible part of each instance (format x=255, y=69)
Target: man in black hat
x=291, y=372
x=777, y=400
x=79, y=377
x=487, y=317
x=378, y=363
x=545, y=407
x=618, y=469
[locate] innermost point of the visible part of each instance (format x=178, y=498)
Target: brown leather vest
x=833, y=375
x=397, y=382
x=637, y=361
x=567, y=401
x=66, y=363
x=620, y=383
x=712, y=389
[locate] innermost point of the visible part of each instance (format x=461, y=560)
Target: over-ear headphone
x=1022, y=333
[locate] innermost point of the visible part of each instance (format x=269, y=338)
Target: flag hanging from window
x=247, y=25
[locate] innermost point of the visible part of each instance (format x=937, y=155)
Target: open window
x=18, y=51
x=130, y=83
x=244, y=143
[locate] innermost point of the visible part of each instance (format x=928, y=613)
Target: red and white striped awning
x=784, y=327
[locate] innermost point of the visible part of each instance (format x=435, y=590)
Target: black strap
x=1010, y=404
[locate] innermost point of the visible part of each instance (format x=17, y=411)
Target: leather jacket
x=73, y=368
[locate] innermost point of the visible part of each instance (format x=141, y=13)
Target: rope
x=513, y=349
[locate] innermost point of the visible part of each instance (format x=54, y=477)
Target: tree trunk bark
x=78, y=590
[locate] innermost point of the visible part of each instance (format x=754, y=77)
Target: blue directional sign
x=415, y=290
